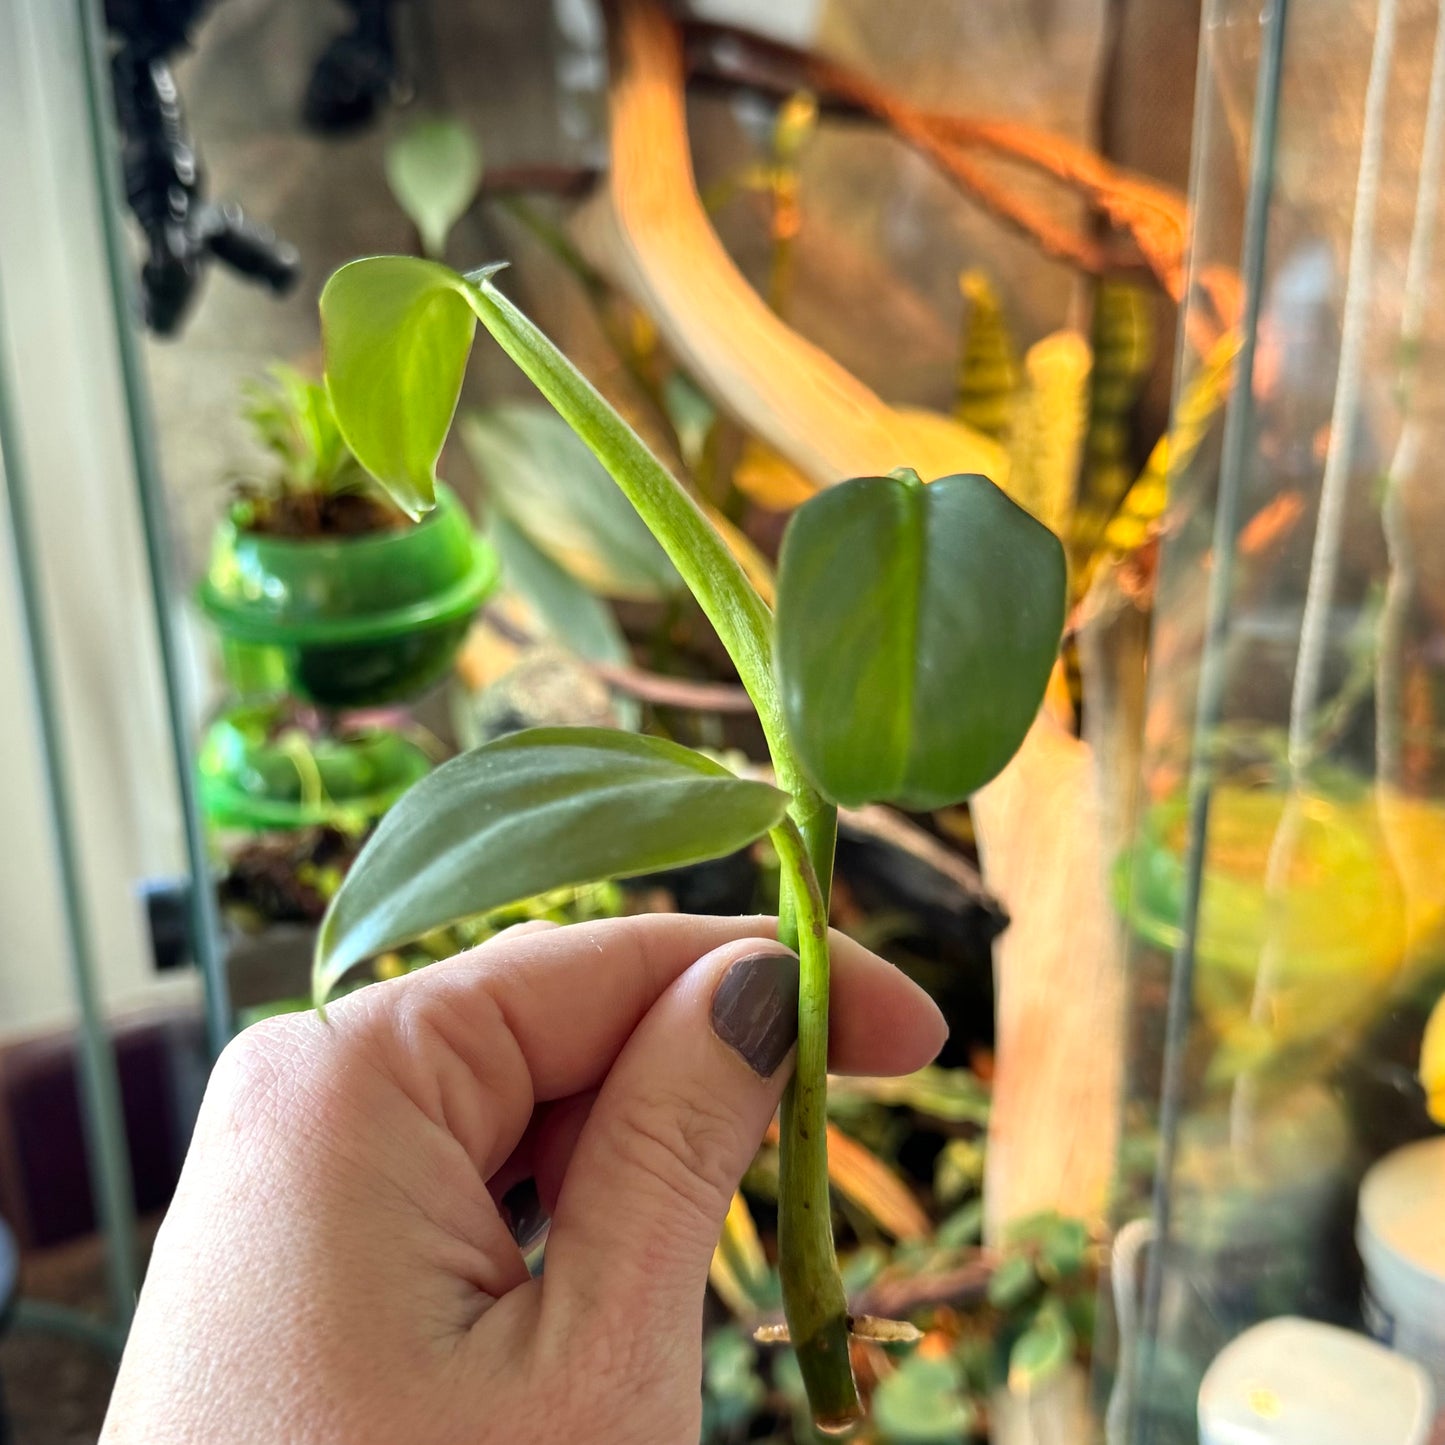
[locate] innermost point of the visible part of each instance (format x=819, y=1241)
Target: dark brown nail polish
x=755, y=1009
x=525, y=1215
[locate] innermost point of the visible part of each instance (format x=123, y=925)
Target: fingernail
x=755, y=1010
x=525, y=1215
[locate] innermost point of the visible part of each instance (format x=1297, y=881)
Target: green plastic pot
x=350, y=622
x=1340, y=924
x=257, y=779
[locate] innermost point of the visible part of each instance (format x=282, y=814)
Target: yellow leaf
x=1049, y=428
x=770, y=481
x=938, y=446
x=1432, y=1063
x=739, y=1269
x=989, y=375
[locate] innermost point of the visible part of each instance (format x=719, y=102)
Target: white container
x=1401, y=1236
x=1298, y=1382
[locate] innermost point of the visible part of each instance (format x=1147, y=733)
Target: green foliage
x=989, y=374
x=963, y=1227
x=1013, y=1282
x=397, y=333
x=731, y=1389
x=576, y=617
x=917, y=626
x=434, y=169
x=537, y=810
x=1042, y=1350
x=923, y=1403
x=952, y=1096
x=958, y=1170
x=541, y=476
x=292, y=418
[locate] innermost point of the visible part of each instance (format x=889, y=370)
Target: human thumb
x=675, y=1124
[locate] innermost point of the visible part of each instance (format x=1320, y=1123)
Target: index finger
x=479, y=1040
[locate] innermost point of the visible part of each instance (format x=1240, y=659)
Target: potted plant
x=321, y=586
x=915, y=629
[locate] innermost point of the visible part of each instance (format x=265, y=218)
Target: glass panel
x=1292, y=755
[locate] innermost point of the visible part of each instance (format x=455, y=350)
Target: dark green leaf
x=547, y=481
x=397, y=333
x=922, y=1403
x=1014, y=1281
x=549, y=808
x=434, y=168
x=1042, y=1350
x=916, y=629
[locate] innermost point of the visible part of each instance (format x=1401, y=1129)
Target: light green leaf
x=434, y=168
x=546, y=480
x=575, y=617
x=549, y=808
x=1042, y=1350
x=922, y=1403
x=1013, y=1282
x=397, y=333
x=916, y=629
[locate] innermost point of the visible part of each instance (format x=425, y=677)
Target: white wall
x=60, y=368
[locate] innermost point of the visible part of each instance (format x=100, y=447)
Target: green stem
x=813, y=1294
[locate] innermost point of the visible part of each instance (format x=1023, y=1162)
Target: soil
x=266, y=876
x=312, y=514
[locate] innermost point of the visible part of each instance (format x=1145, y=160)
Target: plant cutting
x=914, y=632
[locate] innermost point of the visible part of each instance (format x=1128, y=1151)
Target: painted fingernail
x=755, y=1009
x=525, y=1215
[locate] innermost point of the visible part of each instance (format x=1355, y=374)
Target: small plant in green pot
x=321, y=586
x=914, y=633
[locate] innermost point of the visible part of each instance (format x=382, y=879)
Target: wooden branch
x=898, y=1296
x=649, y=234
x=1154, y=216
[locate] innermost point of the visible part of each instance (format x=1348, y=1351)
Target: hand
x=341, y=1262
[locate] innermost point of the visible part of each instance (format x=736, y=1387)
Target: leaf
x=434, y=168
x=1042, y=1350
x=916, y=629
x=691, y=413
x=548, y=483
x=769, y=480
x=962, y=1227
x=922, y=1403
x=739, y=1272
x=1063, y=1249
x=548, y=808
x=1014, y=1281
x=575, y=617
x=397, y=334
x=1432, y=1063
x=955, y=1096
x=989, y=375
x=1050, y=424
x=863, y=1178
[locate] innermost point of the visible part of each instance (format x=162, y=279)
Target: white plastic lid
x=1297, y=1382
x=1402, y=1207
